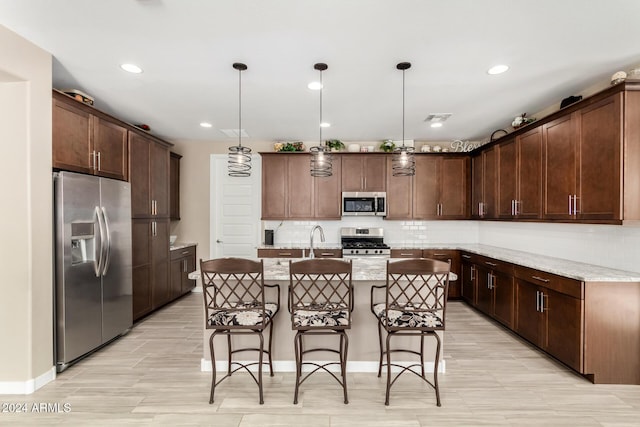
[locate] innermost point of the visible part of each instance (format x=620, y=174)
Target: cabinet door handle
x=466, y=256
x=327, y=254
x=512, y=207
x=540, y=279
x=570, y=203
x=516, y=204
x=492, y=264
x=440, y=254
x=93, y=159
x=284, y=253
x=542, y=295
x=185, y=252
x=575, y=204
x=99, y=163
x=473, y=273
x=405, y=254
x=153, y=229
x=538, y=301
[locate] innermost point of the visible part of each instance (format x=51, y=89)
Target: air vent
x=437, y=117
x=233, y=133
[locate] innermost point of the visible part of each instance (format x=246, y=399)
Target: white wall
x=26, y=302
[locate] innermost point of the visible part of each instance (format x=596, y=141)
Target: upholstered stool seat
x=400, y=317
x=249, y=316
x=327, y=314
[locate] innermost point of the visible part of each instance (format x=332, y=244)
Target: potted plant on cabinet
x=334, y=144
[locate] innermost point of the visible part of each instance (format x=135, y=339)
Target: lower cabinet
x=468, y=278
x=549, y=314
x=150, y=244
x=299, y=253
x=183, y=261
x=446, y=255
x=494, y=289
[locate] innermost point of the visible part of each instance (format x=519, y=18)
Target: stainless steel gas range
x=363, y=243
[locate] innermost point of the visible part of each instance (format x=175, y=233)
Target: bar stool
x=320, y=302
x=414, y=305
x=234, y=304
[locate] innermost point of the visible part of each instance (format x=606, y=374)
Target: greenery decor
x=387, y=145
x=334, y=144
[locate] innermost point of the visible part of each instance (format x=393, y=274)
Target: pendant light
x=321, y=165
x=403, y=160
x=239, y=156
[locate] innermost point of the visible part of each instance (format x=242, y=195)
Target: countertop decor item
x=387, y=146
x=334, y=144
x=78, y=95
x=353, y=148
x=239, y=156
x=289, y=146
x=403, y=162
x=522, y=120
x=493, y=135
x=618, y=77
x=321, y=161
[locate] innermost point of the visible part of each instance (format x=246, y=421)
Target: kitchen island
x=363, y=336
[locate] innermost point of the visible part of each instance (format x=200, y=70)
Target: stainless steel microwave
x=364, y=203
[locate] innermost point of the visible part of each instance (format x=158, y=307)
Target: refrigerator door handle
x=107, y=252
x=98, y=264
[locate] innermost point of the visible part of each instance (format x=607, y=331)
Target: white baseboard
x=290, y=366
x=29, y=386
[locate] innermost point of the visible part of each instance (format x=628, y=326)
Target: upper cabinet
x=87, y=141
x=174, y=185
x=485, y=180
x=290, y=192
x=364, y=172
x=580, y=164
x=520, y=176
x=439, y=189
x=149, y=177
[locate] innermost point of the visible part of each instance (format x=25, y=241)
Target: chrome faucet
x=313, y=230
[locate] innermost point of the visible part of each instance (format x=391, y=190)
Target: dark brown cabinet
x=559, y=167
x=290, y=192
x=364, y=172
x=453, y=257
x=150, y=238
x=439, y=189
x=406, y=253
x=520, y=176
x=149, y=177
x=494, y=292
x=550, y=319
x=85, y=140
x=183, y=262
x=149, y=165
x=468, y=278
x=174, y=186
x=485, y=180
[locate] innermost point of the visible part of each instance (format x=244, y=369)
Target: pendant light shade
x=403, y=160
x=239, y=156
x=321, y=161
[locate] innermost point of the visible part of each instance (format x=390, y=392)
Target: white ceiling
x=186, y=48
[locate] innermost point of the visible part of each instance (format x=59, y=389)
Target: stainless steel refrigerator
x=93, y=301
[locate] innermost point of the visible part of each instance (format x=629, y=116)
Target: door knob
x=219, y=241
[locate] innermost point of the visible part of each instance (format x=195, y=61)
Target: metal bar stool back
x=415, y=302
x=320, y=302
x=234, y=304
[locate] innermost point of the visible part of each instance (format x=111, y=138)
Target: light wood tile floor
x=152, y=377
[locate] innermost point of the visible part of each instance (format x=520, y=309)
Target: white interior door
x=235, y=210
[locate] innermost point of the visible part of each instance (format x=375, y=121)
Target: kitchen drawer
x=327, y=253
x=406, y=253
x=495, y=265
x=560, y=284
x=280, y=253
x=470, y=257
x=183, y=252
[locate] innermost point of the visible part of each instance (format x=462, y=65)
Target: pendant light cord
x=240, y=107
x=403, y=107
x=320, y=124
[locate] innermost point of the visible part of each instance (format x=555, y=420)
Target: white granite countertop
x=364, y=269
x=181, y=245
x=562, y=267
x=302, y=246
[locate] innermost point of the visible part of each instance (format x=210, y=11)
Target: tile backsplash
x=607, y=245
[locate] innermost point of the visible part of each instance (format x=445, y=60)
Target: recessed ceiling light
x=131, y=68
x=498, y=69
x=325, y=125
x=315, y=85
x=206, y=125
x=436, y=124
